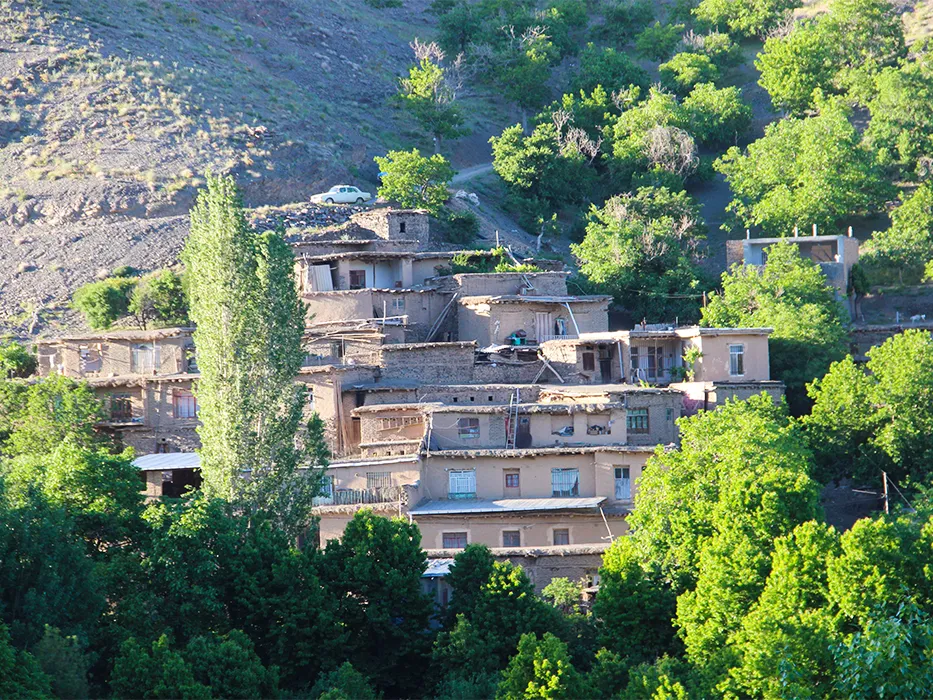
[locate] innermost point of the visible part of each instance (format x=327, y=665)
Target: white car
x=342, y=194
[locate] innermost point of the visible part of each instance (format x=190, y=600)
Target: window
x=327, y=487
x=670, y=415
x=145, y=359
x=512, y=480
x=511, y=538
x=636, y=420
x=398, y=303
x=401, y=227
x=90, y=359
x=357, y=279
x=184, y=404
x=121, y=407
x=468, y=428
x=589, y=362
x=623, y=483
x=645, y=362
x=562, y=536
x=400, y=422
x=461, y=483
x=378, y=480
x=737, y=360
x=162, y=447
x=191, y=360
x=565, y=482
x=454, y=540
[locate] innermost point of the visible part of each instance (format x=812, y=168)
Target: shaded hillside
x=111, y=110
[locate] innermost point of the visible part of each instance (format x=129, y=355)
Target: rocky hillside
x=110, y=110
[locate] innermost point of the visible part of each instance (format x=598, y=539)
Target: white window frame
x=736, y=359
x=623, y=483
x=184, y=404
x=378, y=480
x=461, y=483
x=565, y=482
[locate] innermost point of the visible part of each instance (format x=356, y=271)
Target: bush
x=624, y=18
x=719, y=47
x=685, y=70
x=16, y=361
x=658, y=42
x=160, y=298
x=462, y=227
x=102, y=303
x=746, y=18
x=609, y=68
x=716, y=116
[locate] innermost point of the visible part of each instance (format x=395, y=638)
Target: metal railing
x=353, y=497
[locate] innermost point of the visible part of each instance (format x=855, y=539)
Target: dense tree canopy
x=789, y=294
x=413, y=180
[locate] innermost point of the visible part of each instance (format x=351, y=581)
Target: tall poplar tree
x=249, y=322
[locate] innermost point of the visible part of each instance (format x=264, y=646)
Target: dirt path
x=471, y=172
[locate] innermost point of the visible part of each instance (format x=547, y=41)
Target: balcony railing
x=353, y=497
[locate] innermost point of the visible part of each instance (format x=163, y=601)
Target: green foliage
x=159, y=299
x=623, y=19
x=250, y=323
x=428, y=94
x=890, y=658
x=666, y=679
x=838, y=52
x=901, y=126
x=229, y=666
x=412, y=180
x=609, y=68
x=62, y=660
x=747, y=18
x=716, y=116
x=541, y=669
x=345, y=683
x=907, y=245
x=804, y=172
x=866, y=421
x=635, y=607
x=642, y=249
x=720, y=47
x=20, y=674
x=462, y=227
x=375, y=572
x=658, y=42
x=686, y=70
x=468, y=574
x=563, y=593
x=103, y=302
x=156, y=672
x=16, y=361
x=790, y=295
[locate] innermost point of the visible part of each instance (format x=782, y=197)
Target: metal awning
x=505, y=505
x=168, y=461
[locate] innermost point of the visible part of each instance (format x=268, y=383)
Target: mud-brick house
x=144, y=379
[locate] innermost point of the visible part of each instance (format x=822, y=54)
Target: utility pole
x=887, y=506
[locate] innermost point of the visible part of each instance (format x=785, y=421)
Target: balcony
x=355, y=497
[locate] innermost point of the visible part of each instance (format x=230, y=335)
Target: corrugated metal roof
x=505, y=505
x=169, y=460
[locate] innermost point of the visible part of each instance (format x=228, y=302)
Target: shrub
x=716, y=116
x=462, y=227
x=160, y=298
x=624, y=18
x=102, y=303
x=659, y=41
x=609, y=68
x=16, y=361
x=685, y=70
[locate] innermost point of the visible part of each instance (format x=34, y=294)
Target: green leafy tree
x=103, y=302
x=415, y=181
x=469, y=572
x=159, y=299
x=720, y=47
x=865, y=421
x=563, y=593
x=156, y=672
x=609, y=68
x=790, y=295
x=658, y=42
x=430, y=92
x=901, y=126
x=795, y=66
x=345, y=683
x=804, y=172
x=669, y=678
x=250, y=322
x=375, y=572
x=541, y=669
x=229, y=666
x=16, y=361
x=907, y=245
x=20, y=673
x=716, y=116
x=890, y=658
x=635, y=607
x=748, y=18
x=686, y=70
x=786, y=641
x=643, y=249
x=63, y=661
x=623, y=19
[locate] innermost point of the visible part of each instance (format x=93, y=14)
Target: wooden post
x=887, y=505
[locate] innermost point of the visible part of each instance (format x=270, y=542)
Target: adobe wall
x=115, y=356
x=535, y=530
x=430, y=364
x=663, y=411
x=507, y=283
x=492, y=323
x=543, y=568
x=735, y=253
x=444, y=431
x=518, y=373
x=713, y=366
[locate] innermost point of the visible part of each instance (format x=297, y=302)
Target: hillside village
x=466, y=349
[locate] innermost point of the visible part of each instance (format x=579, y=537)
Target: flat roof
x=438, y=568
x=528, y=299
x=129, y=334
x=390, y=255
x=502, y=452
x=423, y=346
x=505, y=505
x=551, y=550
x=372, y=461
x=138, y=379
x=798, y=239
x=168, y=461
